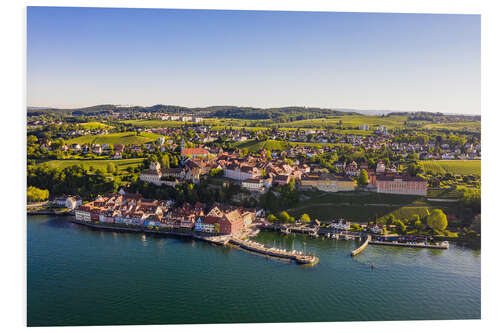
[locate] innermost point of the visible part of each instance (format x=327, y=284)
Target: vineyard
x=453, y=167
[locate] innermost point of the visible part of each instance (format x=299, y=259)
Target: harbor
x=315, y=232
x=297, y=256
x=180, y=269
x=441, y=245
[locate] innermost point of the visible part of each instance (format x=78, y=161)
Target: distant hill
x=288, y=113
x=370, y=112
x=282, y=114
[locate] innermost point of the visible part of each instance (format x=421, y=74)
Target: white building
x=82, y=215
x=251, y=184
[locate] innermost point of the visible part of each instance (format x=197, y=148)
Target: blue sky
x=86, y=56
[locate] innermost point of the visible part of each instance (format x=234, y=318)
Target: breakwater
x=443, y=245
x=362, y=247
x=298, y=257
x=50, y=212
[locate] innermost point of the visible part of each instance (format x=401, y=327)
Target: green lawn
x=453, y=167
x=121, y=165
x=114, y=138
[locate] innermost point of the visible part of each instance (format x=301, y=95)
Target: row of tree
x=71, y=180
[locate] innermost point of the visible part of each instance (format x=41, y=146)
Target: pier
x=443, y=245
x=298, y=257
x=362, y=247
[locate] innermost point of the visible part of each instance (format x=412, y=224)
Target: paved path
x=37, y=204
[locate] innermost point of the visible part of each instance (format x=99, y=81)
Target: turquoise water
x=78, y=276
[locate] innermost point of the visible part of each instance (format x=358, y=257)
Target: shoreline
x=460, y=241
x=217, y=240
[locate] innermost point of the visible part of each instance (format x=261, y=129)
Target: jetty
x=442, y=245
x=297, y=256
x=362, y=247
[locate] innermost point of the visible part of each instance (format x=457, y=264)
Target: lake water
x=78, y=276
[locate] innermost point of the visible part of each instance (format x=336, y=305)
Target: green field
x=114, y=138
x=94, y=125
x=121, y=165
x=457, y=167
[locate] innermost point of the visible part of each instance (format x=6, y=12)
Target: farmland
x=114, y=138
x=121, y=165
x=454, y=167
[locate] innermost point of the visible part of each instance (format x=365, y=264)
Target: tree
x=215, y=172
x=414, y=219
x=419, y=225
x=363, y=178
x=36, y=195
x=400, y=226
x=165, y=161
x=437, y=220
x=31, y=140
x=110, y=168
x=305, y=218
x=271, y=218
x=284, y=217
x=390, y=219
x=268, y=154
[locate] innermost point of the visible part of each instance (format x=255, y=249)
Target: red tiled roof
x=194, y=151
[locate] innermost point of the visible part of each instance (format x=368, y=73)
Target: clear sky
x=86, y=56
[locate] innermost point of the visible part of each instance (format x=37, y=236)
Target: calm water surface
x=78, y=276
